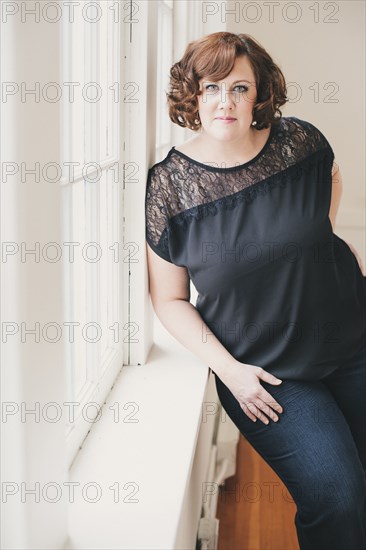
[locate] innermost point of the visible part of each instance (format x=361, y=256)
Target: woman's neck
x=205, y=147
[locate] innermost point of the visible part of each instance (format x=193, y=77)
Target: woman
x=246, y=210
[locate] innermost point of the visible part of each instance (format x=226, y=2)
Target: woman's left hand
x=357, y=258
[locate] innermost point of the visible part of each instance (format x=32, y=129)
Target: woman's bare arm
x=169, y=287
x=337, y=190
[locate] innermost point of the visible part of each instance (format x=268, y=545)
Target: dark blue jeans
x=318, y=449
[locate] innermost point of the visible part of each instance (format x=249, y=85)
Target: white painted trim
x=139, y=67
x=78, y=175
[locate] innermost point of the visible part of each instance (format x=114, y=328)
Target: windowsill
x=148, y=454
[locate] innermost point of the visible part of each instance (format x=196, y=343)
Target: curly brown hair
x=213, y=57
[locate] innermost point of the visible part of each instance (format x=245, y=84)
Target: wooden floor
x=255, y=510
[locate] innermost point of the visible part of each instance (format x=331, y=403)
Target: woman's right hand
x=243, y=380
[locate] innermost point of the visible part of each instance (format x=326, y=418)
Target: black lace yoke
x=275, y=285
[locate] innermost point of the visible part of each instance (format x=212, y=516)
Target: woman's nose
x=227, y=97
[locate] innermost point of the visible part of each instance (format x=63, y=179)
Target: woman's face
x=234, y=97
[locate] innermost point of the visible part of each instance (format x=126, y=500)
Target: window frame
x=92, y=213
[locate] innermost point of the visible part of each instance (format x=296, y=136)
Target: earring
x=254, y=122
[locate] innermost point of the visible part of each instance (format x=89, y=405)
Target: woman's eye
x=210, y=85
x=242, y=88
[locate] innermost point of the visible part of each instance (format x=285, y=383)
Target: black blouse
x=275, y=285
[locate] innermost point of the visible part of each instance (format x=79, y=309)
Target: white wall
x=32, y=447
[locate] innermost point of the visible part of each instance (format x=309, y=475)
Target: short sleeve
x=156, y=218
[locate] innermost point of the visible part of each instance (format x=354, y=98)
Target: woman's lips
x=226, y=120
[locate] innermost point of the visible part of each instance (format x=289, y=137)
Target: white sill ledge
x=149, y=460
